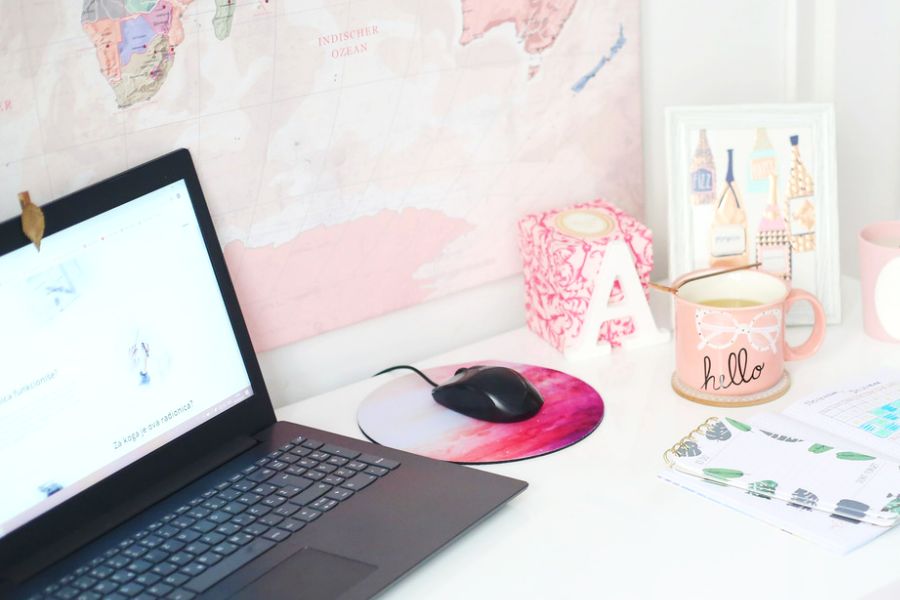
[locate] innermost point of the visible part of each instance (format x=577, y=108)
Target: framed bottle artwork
x=756, y=183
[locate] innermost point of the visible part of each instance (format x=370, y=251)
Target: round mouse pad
x=403, y=415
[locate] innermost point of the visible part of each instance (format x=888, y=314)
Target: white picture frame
x=794, y=142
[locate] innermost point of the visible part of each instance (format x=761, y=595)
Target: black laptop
x=139, y=452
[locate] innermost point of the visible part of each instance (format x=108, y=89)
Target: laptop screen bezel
x=88, y=515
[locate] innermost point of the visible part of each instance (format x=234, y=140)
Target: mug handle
x=815, y=339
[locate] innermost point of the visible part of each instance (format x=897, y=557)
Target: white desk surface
x=596, y=522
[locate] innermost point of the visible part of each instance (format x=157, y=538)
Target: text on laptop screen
x=114, y=340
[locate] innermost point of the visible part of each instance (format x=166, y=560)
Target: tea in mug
x=730, y=303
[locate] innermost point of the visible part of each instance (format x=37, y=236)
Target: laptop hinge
x=175, y=480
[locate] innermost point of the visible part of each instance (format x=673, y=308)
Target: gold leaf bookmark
x=32, y=219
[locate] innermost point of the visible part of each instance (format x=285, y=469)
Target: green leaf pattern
x=723, y=473
x=737, y=424
x=688, y=449
x=762, y=489
x=892, y=506
x=781, y=438
x=717, y=431
x=854, y=456
x=819, y=448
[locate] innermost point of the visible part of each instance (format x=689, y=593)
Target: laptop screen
x=114, y=340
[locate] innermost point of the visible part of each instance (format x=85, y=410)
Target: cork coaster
x=773, y=393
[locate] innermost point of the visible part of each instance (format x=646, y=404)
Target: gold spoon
x=674, y=290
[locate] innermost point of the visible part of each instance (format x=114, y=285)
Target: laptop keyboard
x=191, y=549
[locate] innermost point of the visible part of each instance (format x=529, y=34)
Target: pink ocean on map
x=562, y=251
x=402, y=414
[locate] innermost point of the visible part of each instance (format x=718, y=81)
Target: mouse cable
x=418, y=372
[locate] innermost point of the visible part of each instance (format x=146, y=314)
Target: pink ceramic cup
x=738, y=351
x=879, y=274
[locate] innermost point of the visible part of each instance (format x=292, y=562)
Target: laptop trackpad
x=309, y=573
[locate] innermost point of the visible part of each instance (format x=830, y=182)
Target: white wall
x=693, y=52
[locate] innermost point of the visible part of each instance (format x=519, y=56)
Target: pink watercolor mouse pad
x=403, y=415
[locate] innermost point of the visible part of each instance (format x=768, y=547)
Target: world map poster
x=357, y=156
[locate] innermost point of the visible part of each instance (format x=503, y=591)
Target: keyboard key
x=197, y=548
x=359, y=481
x=236, y=507
x=209, y=559
x=286, y=447
x=290, y=491
x=264, y=489
x=278, y=465
x=183, y=522
x=326, y=468
x=314, y=475
x=307, y=514
x=274, y=454
x=198, y=512
x=274, y=501
x=286, y=510
x=244, y=485
x=134, y=551
x=100, y=572
x=291, y=525
x=319, y=456
x=259, y=510
x=276, y=535
x=298, y=440
x=243, y=519
x=312, y=444
x=220, y=516
x=339, y=494
x=248, y=499
x=160, y=589
x=324, y=504
x=338, y=461
x=307, y=463
x=311, y=494
x=181, y=558
x=188, y=536
x=228, y=528
x=377, y=471
x=180, y=595
x=151, y=541
x=106, y=587
x=167, y=531
x=193, y=569
x=257, y=529
x=229, y=495
x=271, y=520
x=295, y=470
x=176, y=579
x=378, y=461
x=228, y=565
x=356, y=465
x=147, y=578
x=289, y=458
x=164, y=569
x=88, y=595
x=67, y=593
x=333, y=480
x=156, y=555
x=139, y=566
x=225, y=548
x=118, y=561
x=122, y=576
x=261, y=475
x=212, y=538
x=240, y=539
x=171, y=546
x=338, y=451
x=131, y=589
x=204, y=526
x=84, y=582
x=286, y=479
x=214, y=503
x=345, y=472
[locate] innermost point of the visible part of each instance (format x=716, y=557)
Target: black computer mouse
x=496, y=394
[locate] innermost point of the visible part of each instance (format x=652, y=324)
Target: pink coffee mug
x=879, y=274
x=737, y=351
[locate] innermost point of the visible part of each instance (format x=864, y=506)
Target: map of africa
x=358, y=156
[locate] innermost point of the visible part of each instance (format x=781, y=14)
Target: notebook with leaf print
x=774, y=457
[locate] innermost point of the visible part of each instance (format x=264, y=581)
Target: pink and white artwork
x=370, y=156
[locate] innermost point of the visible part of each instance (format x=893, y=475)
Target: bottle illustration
x=773, y=242
x=762, y=163
x=728, y=232
x=703, y=173
x=800, y=210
